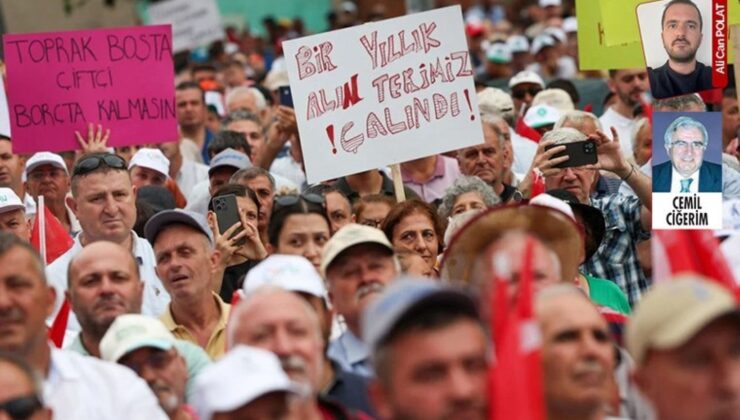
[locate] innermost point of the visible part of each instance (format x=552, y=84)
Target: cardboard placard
x=194, y=23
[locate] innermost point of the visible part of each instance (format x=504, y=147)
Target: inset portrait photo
x=677, y=43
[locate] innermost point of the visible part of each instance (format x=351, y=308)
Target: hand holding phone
x=227, y=213
x=580, y=153
x=286, y=96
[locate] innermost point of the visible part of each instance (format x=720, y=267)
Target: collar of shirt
x=356, y=349
x=182, y=332
x=386, y=187
x=616, y=118
x=439, y=172
x=676, y=181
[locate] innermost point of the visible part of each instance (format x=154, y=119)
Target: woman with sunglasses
x=299, y=225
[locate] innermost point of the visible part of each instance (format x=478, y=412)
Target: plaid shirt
x=616, y=258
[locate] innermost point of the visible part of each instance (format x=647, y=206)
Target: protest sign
x=383, y=93
x=58, y=82
x=4, y=117
x=194, y=24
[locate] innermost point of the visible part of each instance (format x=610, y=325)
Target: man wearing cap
x=549, y=63
x=13, y=215
x=144, y=345
x=103, y=200
x=46, y=175
x=524, y=86
x=684, y=336
x=75, y=387
x=12, y=168
x=486, y=161
x=247, y=383
x=296, y=274
x=223, y=166
x=185, y=255
x=497, y=65
x=430, y=352
x=629, y=87
x=149, y=167
x=542, y=118
x=577, y=355
x=681, y=32
x=520, y=56
x=357, y=263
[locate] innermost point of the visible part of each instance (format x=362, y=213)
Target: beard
x=686, y=56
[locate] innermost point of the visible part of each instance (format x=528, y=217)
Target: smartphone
x=227, y=213
x=581, y=153
x=286, y=97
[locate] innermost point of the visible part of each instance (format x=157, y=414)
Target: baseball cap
x=554, y=97
x=540, y=42
x=570, y=24
x=499, y=53
x=157, y=196
x=290, y=272
x=526, y=76
x=557, y=33
x=241, y=376
x=403, y=297
x=349, y=236
x=131, y=332
x=541, y=115
x=674, y=311
x=494, y=101
x=229, y=157
x=152, y=159
x=9, y=201
x=548, y=3
x=161, y=220
x=44, y=158
x=518, y=44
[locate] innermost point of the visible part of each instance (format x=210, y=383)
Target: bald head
x=101, y=256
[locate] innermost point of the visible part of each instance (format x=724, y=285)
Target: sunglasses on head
x=292, y=199
x=90, y=163
x=520, y=93
x=22, y=407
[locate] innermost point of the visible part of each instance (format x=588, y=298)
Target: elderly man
x=629, y=87
x=684, y=337
x=628, y=218
x=577, y=354
x=144, y=345
x=46, y=175
x=357, y=263
x=11, y=173
x=275, y=319
x=74, y=386
x=524, y=86
x=250, y=125
x=103, y=201
x=13, y=215
x=185, y=255
x=247, y=99
x=223, y=166
x=191, y=112
x=685, y=141
x=149, y=167
x=681, y=33
x=419, y=330
x=486, y=161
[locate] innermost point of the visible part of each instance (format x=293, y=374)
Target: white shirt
x=676, y=181
x=189, y=175
x=198, y=197
x=31, y=210
x=81, y=387
x=289, y=168
x=612, y=118
x=156, y=297
x=524, y=151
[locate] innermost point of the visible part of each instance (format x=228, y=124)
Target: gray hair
x=252, y=173
x=684, y=122
x=564, y=135
x=259, y=99
x=641, y=123
x=683, y=103
x=576, y=118
x=241, y=115
x=466, y=184
x=492, y=121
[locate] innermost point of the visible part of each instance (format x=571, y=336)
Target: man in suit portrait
x=686, y=139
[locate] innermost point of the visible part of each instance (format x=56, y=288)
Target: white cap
x=556, y=32
x=9, y=200
x=540, y=42
x=494, y=101
x=541, y=115
x=241, y=376
x=152, y=159
x=499, y=53
x=290, y=272
x=526, y=76
x=349, y=236
x=518, y=44
x=556, y=98
x=45, y=158
x=553, y=202
x=570, y=24
x=547, y=3
x=131, y=332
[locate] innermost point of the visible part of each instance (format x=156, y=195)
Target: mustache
x=365, y=289
x=293, y=363
x=11, y=315
x=108, y=299
x=589, y=367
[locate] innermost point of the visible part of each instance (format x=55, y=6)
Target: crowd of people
x=351, y=300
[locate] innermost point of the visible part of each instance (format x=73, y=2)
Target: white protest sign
x=383, y=93
x=194, y=23
x=4, y=115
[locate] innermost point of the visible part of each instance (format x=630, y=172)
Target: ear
x=379, y=399
x=51, y=298
x=72, y=204
x=611, y=84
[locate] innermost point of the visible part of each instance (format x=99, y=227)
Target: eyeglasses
x=156, y=360
x=38, y=175
x=292, y=199
x=371, y=222
x=680, y=144
x=90, y=163
x=22, y=407
x=520, y=93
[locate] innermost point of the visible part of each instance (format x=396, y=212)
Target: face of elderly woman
x=415, y=232
x=467, y=201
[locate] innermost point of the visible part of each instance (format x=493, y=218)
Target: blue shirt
x=351, y=354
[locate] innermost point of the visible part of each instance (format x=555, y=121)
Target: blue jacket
x=710, y=177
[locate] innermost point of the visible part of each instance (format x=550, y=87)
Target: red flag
x=59, y=326
x=527, y=131
x=538, y=183
x=57, y=240
x=692, y=251
x=515, y=376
